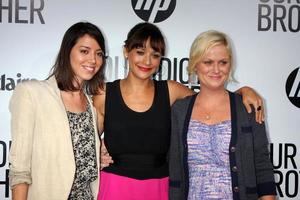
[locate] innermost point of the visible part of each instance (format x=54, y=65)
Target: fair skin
x=213, y=99
x=86, y=60
x=137, y=88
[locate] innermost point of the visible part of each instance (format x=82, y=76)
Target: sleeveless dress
x=138, y=143
x=208, y=160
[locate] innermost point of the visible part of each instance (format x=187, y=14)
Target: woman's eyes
x=223, y=62
x=139, y=52
x=154, y=55
x=84, y=51
x=100, y=54
x=207, y=62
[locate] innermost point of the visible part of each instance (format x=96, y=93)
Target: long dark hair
x=62, y=69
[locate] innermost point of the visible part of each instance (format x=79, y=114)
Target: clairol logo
x=154, y=11
x=8, y=83
x=292, y=87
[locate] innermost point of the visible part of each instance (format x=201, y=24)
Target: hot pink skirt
x=115, y=187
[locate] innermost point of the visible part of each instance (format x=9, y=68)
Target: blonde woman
x=218, y=150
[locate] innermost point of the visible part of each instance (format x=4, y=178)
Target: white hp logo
x=292, y=87
x=154, y=10
x=295, y=87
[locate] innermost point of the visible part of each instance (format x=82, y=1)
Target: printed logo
x=292, y=87
x=278, y=15
x=9, y=83
x=153, y=10
x=28, y=13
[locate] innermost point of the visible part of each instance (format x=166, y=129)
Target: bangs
x=156, y=45
x=139, y=35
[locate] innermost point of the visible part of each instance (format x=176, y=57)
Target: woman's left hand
x=105, y=158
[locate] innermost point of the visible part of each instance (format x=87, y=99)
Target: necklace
x=208, y=112
x=207, y=117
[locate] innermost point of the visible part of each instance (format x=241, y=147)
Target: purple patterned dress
x=208, y=160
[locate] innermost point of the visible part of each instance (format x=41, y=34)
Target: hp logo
x=153, y=10
x=292, y=87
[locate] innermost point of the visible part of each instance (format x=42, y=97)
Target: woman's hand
x=106, y=159
x=251, y=97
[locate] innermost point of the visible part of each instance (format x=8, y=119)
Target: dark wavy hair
x=140, y=33
x=62, y=69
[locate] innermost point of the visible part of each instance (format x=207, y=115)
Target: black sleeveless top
x=137, y=141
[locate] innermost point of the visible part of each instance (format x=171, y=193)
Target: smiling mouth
x=89, y=69
x=144, y=69
x=215, y=77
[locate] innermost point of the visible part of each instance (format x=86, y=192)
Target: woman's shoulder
x=99, y=99
x=178, y=91
x=183, y=103
x=242, y=114
x=32, y=85
x=34, y=90
x=238, y=100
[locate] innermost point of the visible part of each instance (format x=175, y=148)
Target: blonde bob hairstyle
x=203, y=43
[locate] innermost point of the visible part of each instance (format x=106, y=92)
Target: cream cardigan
x=41, y=153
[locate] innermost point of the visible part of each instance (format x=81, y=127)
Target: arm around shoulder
x=250, y=97
x=178, y=91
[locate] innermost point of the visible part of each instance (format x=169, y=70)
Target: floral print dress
x=84, y=147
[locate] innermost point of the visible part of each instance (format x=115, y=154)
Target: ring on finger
x=258, y=108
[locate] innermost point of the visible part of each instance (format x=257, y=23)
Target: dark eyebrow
x=90, y=48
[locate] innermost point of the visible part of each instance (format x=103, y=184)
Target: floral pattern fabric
x=84, y=147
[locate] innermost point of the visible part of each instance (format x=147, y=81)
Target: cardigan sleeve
x=263, y=165
x=22, y=127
